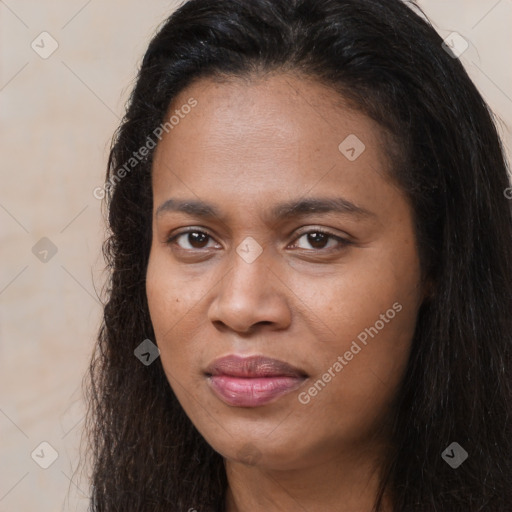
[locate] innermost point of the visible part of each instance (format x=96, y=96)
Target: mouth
x=252, y=381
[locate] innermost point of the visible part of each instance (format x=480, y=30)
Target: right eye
x=191, y=240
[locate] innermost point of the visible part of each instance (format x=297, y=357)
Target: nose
x=250, y=295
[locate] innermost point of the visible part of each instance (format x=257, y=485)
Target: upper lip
x=253, y=366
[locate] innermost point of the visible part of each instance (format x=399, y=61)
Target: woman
x=311, y=265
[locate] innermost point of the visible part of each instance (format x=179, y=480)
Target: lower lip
x=252, y=392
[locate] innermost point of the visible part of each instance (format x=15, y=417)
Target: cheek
x=357, y=382
x=176, y=307
x=168, y=302
x=367, y=312
x=353, y=296
x=358, y=369
x=161, y=292
x=173, y=294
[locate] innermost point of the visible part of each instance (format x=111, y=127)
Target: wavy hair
x=389, y=63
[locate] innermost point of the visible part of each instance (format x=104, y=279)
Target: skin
x=247, y=146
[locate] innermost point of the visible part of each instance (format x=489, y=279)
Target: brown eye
x=319, y=240
x=190, y=240
x=197, y=239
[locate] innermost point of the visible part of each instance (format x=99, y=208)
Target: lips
x=252, y=381
x=253, y=367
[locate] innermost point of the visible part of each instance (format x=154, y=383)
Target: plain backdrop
x=58, y=113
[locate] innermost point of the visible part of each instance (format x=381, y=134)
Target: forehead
x=269, y=135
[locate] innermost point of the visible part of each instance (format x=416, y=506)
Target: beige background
x=57, y=116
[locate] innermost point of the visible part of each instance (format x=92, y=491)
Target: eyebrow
x=283, y=211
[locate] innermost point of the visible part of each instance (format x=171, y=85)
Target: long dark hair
x=390, y=64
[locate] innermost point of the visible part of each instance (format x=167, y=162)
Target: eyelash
x=341, y=241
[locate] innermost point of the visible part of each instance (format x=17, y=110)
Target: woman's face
x=300, y=249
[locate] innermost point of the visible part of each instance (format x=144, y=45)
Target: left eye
x=319, y=240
